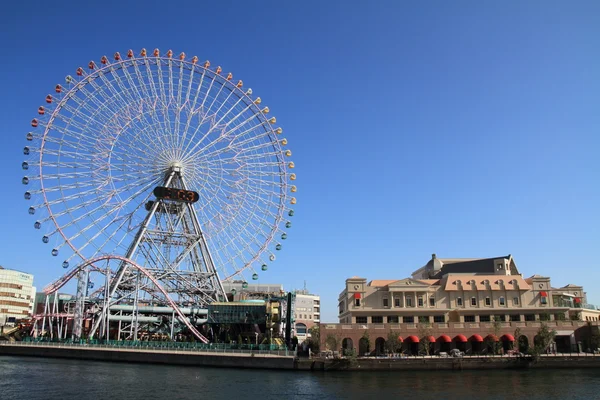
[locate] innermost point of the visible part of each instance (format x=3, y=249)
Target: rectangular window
x=361, y=320
x=515, y=318
x=409, y=302
x=502, y=301
x=377, y=319
x=529, y=317
x=473, y=301
x=484, y=318
x=488, y=301
x=501, y=318
x=385, y=302
x=392, y=319
x=420, y=301
x=396, y=302
x=439, y=318
x=408, y=320
x=357, y=302
x=544, y=300
x=469, y=318
x=459, y=301
x=432, y=301
x=515, y=301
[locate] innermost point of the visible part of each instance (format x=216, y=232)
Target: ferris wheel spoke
x=154, y=118
x=221, y=136
x=227, y=135
x=192, y=138
x=193, y=110
x=165, y=96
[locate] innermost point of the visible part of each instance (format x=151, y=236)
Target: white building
x=307, y=313
x=16, y=296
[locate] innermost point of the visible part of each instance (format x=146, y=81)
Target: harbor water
x=44, y=378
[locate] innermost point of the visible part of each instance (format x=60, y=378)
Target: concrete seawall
x=172, y=357
x=282, y=362
x=450, y=364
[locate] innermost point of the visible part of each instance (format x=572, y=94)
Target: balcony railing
x=460, y=325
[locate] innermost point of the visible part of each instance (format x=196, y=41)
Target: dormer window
x=500, y=267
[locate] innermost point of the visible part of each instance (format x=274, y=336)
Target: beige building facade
x=16, y=296
x=464, y=297
x=307, y=313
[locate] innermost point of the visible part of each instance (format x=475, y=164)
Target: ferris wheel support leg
x=172, y=324
x=210, y=265
x=46, y=311
x=132, y=249
x=135, y=313
x=82, y=282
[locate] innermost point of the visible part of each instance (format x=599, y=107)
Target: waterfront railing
x=260, y=349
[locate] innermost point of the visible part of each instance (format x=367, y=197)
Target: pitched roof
x=460, y=282
x=430, y=281
x=475, y=266
x=386, y=282
x=536, y=276
x=381, y=282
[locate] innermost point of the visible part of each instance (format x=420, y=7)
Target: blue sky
x=466, y=129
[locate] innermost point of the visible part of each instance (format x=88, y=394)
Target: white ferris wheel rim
x=234, y=252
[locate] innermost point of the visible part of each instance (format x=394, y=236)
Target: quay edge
x=170, y=357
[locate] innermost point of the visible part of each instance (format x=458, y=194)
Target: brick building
x=456, y=301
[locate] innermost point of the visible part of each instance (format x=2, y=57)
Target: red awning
x=357, y=295
x=543, y=294
x=491, y=338
x=413, y=338
x=400, y=339
x=476, y=338
x=431, y=339
x=461, y=338
x=508, y=337
x=445, y=339
x=577, y=300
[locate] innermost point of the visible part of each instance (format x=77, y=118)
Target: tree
x=332, y=342
x=519, y=339
x=364, y=345
x=424, y=328
x=392, y=343
x=314, y=343
x=545, y=337
x=497, y=328
x=594, y=339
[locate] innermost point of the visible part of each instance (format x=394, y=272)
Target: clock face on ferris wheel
x=103, y=141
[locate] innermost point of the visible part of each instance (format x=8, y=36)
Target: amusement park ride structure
x=162, y=178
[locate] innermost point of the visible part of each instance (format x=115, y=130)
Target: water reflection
x=53, y=378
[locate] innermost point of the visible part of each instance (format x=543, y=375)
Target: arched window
x=300, y=329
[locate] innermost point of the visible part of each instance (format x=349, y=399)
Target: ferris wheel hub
x=176, y=166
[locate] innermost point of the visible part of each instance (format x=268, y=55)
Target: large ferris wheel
x=164, y=175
